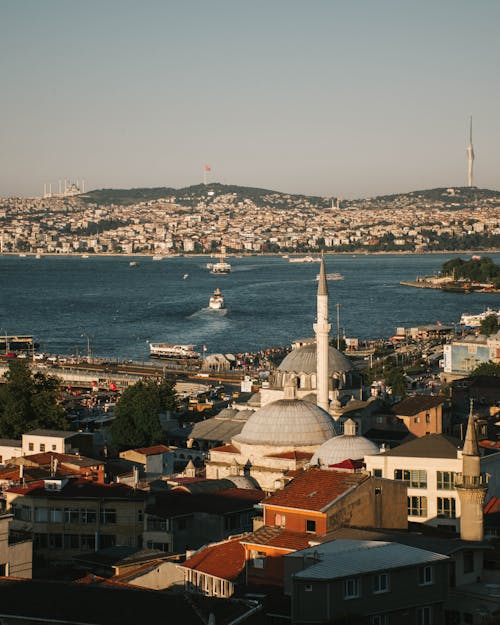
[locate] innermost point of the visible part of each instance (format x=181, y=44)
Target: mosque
x=292, y=426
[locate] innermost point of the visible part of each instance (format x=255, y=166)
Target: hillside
x=455, y=197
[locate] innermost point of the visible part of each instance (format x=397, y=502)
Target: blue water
x=270, y=302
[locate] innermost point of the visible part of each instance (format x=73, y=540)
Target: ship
x=220, y=267
x=305, y=259
x=216, y=301
x=474, y=321
x=133, y=263
x=158, y=257
x=332, y=276
x=168, y=350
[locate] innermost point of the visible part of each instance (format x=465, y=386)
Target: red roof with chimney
x=315, y=489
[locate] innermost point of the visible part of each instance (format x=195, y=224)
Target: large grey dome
x=288, y=422
x=345, y=447
x=303, y=360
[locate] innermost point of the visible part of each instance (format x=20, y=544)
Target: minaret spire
x=470, y=158
x=322, y=330
x=470, y=485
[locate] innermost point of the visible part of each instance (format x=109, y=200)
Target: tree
x=29, y=401
x=137, y=414
x=487, y=368
x=489, y=325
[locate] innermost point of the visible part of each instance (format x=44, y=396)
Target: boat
x=85, y=255
x=220, y=267
x=169, y=350
x=332, y=276
x=38, y=256
x=474, y=321
x=284, y=256
x=185, y=276
x=158, y=257
x=305, y=259
x=133, y=263
x=216, y=301
x=22, y=255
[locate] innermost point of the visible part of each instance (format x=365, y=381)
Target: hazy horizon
x=330, y=98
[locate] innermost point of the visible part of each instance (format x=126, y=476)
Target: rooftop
x=80, y=489
x=225, y=560
x=415, y=404
x=278, y=538
x=178, y=503
x=430, y=446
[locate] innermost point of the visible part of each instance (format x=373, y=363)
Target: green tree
x=137, y=414
x=489, y=325
x=487, y=368
x=29, y=401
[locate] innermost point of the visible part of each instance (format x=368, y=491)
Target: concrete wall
x=165, y=575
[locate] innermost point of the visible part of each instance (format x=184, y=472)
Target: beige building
x=16, y=552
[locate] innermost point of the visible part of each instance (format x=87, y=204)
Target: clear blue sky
x=329, y=97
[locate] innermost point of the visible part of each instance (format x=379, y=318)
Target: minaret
x=470, y=157
x=470, y=486
x=322, y=330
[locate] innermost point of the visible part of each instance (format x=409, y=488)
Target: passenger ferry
x=216, y=301
x=332, y=276
x=221, y=267
x=168, y=350
x=305, y=259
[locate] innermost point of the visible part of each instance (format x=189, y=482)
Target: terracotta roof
x=348, y=464
x=229, y=449
x=292, y=455
x=489, y=444
x=80, y=489
x=492, y=506
x=153, y=450
x=279, y=538
x=225, y=560
x=415, y=404
x=179, y=502
x=315, y=489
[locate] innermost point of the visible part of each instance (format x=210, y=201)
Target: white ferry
x=216, y=301
x=167, y=350
x=474, y=321
x=332, y=276
x=158, y=257
x=305, y=259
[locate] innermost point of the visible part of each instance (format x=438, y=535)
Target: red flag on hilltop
x=207, y=168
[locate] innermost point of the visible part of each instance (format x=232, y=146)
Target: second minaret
x=322, y=330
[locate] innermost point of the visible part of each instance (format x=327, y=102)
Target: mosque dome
x=349, y=446
x=288, y=423
x=303, y=360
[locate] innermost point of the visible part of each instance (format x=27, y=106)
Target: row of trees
x=475, y=270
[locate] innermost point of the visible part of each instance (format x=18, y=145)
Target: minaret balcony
x=471, y=481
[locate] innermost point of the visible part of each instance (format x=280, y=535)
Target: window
x=87, y=542
x=280, y=520
x=53, y=447
x=55, y=515
x=40, y=541
x=108, y=516
x=428, y=418
x=425, y=576
x=55, y=541
x=71, y=515
x=107, y=540
x=42, y=447
x=414, y=478
x=468, y=561
x=378, y=619
x=41, y=515
x=71, y=541
x=377, y=472
x=1, y=459
x=88, y=516
x=140, y=516
x=445, y=480
x=417, y=419
x=308, y=587
x=351, y=588
x=381, y=583
x=446, y=507
x=258, y=559
x=424, y=615
x=155, y=524
x=310, y=526
x=23, y=513
x=417, y=506
x=31, y=447
x=160, y=546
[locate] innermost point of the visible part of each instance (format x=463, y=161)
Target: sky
x=348, y=98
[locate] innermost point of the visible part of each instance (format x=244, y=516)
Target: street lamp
x=89, y=350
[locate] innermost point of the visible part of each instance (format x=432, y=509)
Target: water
x=270, y=302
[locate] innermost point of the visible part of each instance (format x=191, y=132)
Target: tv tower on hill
x=470, y=157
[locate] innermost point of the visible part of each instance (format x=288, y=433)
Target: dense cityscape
x=200, y=219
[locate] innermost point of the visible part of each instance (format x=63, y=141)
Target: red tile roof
x=292, y=455
x=348, y=464
x=153, y=450
x=278, y=538
x=315, y=489
x=492, y=506
x=229, y=449
x=225, y=560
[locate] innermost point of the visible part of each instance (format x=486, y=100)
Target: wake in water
x=209, y=311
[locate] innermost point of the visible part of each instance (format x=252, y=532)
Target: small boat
x=22, y=255
x=332, y=276
x=304, y=259
x=216, y=301
x=85, y=255
x=38, y=256
x=185, y=276
x=158, y=257
x=133, y=263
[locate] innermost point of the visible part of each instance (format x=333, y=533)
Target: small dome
x=303, y=360
x=345, y=447
x=288, y=422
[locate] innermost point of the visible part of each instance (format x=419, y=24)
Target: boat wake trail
x=209, y=311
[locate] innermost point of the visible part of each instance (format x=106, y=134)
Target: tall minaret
x=470, y=486
x=470, y=157
x=322, y=330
